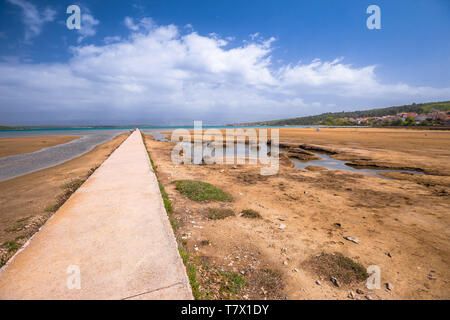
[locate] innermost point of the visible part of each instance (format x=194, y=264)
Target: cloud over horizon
x=171, y=75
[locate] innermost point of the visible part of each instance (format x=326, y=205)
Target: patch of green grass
x=174, y=223
x=191, y=271
x=73, y=184
x=184, y=254
x=167, y=205
x=69, y=188
x=20, y=237
x=151, y=161
x=340, y=267
x=11, y=245
x=219, y=213
x=18, y=225
x=251, y=214
x=233, y=282
x=52, y=208
x=165, y=197
x=60, y=200
x=201, y=191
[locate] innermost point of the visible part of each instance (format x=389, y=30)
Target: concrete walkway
x=114, y=231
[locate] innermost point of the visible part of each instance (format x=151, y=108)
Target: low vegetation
x=69, y=188
x=250, y=213
x=18, y=225
x=164, y=195
x=73, y=184
x=201, y=191
x=11, y=245
x=336, y=265
x=271, y=280
x=232, y=282
x=219, y=213
x=191, y=271
x=218, y=284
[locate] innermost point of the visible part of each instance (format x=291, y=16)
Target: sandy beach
x=400, y=224
x=22, y=145
x=27, y=201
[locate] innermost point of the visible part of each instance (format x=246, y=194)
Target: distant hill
x=10, y=128
x=310, y=120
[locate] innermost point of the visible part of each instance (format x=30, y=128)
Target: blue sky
x=171, y=62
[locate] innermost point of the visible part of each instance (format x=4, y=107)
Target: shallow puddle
x=335, y=164
x=157, y=135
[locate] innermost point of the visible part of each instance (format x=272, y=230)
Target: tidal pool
x=335, y=164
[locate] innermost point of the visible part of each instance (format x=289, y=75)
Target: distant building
x=437, y=115
x=405, y=115
x=420, y=118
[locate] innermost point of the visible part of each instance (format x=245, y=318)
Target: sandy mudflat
x=22, y=145
x=402, y=224
x=429, y=149
x=24, y=199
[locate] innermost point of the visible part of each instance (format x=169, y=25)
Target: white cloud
x=33, y=18
x=145, y=24
x=88, y=24
x=112, y=39
x=255, y=35
x=158, y=74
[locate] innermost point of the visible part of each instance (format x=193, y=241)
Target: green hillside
x=309, y=120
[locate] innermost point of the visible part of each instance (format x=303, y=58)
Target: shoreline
x=21, y=164
x=13, y=146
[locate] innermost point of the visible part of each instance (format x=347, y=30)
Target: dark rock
x=334, y=281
